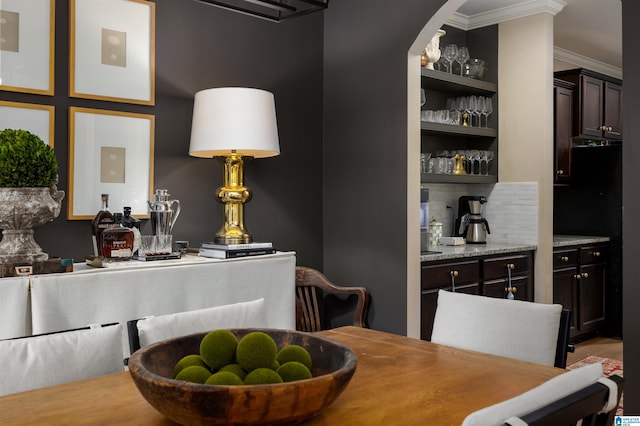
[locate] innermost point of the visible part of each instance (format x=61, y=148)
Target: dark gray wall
x=199, y=47
x=631, y=202
x=365, y=148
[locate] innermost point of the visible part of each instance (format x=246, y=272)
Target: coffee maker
x=470, y=223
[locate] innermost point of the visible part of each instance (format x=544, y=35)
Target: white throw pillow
x=46, y=360
x=251, y=314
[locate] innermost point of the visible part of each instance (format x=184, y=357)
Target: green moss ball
x=218, y=348
x=256, y=350
x=292, y=371
x=188, y=361
x=235, y=369
x=294, y=353
x=224, y=378
x=194, y=374
x=262, y=376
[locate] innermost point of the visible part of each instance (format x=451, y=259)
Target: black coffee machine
x=470, y=224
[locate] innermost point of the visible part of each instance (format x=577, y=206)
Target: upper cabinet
x=563, y=129
x=597, y=105
x=464, y=129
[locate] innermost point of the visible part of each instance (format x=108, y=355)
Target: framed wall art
x=112, y=50
x=35, y=118
x=110, y=152
x=27, y=46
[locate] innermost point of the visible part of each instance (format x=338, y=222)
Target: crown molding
x=507, y=13
x=586, y=62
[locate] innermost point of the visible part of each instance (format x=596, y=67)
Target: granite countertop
x=472, y=250
x=572, y=240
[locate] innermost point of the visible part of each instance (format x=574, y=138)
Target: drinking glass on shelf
x=488, y=158
x=461, y=106
x=462, y=58
x=450, y=54
x=487, y=110
x=472, y=108
x=423, y=98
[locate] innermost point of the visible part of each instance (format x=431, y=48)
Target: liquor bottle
x=117, y=241
x=132, y=223
x=101, y=221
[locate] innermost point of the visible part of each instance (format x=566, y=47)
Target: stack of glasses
x=462, y=111
x=476, y=161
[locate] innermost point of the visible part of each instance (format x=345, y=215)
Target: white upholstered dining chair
x=50, y=359
x=510, y=328
x=570, y=398
x=152, y=329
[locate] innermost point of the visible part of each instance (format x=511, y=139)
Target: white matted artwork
x=27, y=46
x=112, y=52
x=110, y=152
x=35, y=118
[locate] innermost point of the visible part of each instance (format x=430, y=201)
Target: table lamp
x=234, y=124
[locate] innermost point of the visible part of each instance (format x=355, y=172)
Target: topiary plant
x=26, y=161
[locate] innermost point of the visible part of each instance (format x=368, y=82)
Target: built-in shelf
x=432, y=178
x=455, y=84
x=429, y=127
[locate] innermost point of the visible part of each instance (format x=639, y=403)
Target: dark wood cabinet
x=579, y=283
x=597, y=106
x=493, y=276
x=563, y=129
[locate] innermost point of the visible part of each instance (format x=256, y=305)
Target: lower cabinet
x=494, y=276
x=579, y=284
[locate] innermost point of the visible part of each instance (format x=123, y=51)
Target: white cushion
x=47, y=360
x=548, y=392
x=511, y=328
x=251, y=314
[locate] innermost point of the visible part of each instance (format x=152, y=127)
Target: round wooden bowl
x=287, y=403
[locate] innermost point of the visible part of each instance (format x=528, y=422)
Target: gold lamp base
x=233, y=194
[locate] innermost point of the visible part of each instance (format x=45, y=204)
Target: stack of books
x=230, y=251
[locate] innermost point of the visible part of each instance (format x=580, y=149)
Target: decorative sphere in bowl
x=284, y=403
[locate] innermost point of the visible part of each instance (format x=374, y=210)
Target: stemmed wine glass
x=423, y=98
x=461, y=106
x=463, y=56
x=488, y=158
x=487, y=110
x=450, y=54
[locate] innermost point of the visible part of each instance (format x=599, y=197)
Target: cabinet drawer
x=594, y=254
x=565, y=258
x=440, y=275
x=498, y=288
x=495, y=268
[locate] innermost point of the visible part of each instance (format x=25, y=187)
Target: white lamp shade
x=234, y=120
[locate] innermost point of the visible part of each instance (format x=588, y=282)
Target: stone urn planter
x=28, y=194
x=21, y=210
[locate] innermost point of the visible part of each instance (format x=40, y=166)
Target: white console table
x=134, y=290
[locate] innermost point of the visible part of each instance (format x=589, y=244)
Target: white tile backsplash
x=511, y=209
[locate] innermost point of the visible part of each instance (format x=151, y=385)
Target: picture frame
x=27, y=46
x=110, y=152
x=112, y=50
x=35, y=118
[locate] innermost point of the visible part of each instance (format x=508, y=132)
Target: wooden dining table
x=398, y=381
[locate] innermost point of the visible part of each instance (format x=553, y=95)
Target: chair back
x=563, y=347
x=152, y=329
x=578, y=395
x=50, y=359
x=319, y=302
x=511, y=328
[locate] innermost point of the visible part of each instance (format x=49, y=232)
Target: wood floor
x=599, y=346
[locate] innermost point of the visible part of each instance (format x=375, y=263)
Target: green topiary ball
x=188, y=361
x=262, y=376
x=26, y=161
x=292, y=371
x=294, y=353
x=235, y=369
x=224, y=378
x=256, y=350
x=218, y=348
x=194, y=374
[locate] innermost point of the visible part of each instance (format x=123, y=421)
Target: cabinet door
x=564, y=292
x=590, y=119
x=563, y=132
x=612, y=111
x=591, y=288
x=429, y=303
x=498, y=288
x=439, y=275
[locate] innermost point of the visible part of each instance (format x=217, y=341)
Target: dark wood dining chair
x=321, y=304
x=563, y=347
